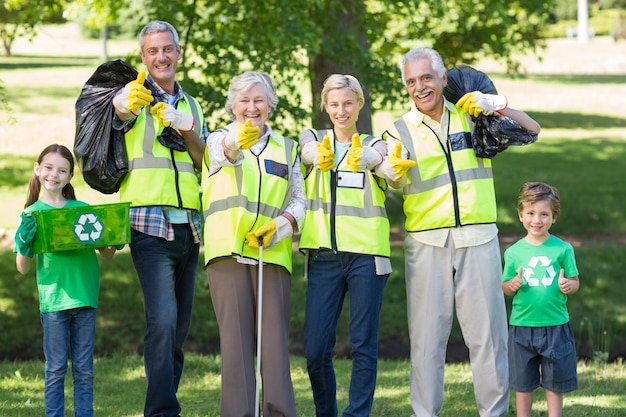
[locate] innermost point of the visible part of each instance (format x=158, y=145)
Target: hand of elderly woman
x=246, y=136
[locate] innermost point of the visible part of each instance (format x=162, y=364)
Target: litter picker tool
x=259, y=329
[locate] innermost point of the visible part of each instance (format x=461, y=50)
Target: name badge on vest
x=349, y=179
x=276, y=168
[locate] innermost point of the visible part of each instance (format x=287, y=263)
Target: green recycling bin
x=82, y=227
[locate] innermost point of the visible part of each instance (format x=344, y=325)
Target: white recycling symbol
x=88, y=228
x=529, y=273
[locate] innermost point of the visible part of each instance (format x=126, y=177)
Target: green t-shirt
x=539, y=302
x=66, y=279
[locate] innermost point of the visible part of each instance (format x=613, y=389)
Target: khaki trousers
x=469, y=279
x=234, y=289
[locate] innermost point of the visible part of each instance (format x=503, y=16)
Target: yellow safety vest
x=448, y=187
x=240, y=199
x=345, y=209
x=150, y=164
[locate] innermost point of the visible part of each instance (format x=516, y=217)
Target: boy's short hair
x=531, y=192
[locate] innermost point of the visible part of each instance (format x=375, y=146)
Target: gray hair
x=157, y=26
x=419, y=53
x=247, y=80
x=337, y=81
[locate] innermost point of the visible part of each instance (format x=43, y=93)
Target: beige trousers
x=440, y=280
x=234, y=289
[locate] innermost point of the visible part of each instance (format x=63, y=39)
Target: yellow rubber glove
x=169, y=116
x=355, y=153
x=477, y=103
x=263, y=233
x=326, y=155
x=247, y=135
x=400, y=166
x=133, y=96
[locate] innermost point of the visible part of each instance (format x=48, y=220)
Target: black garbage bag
x=98, y=148
x=492, y=134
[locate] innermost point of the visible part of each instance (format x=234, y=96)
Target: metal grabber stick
x=259, y=328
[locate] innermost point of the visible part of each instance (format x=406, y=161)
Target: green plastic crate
x=82, y=227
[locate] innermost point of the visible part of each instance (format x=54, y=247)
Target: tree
x=98, y=15
x=300, y=42
x=21, y=18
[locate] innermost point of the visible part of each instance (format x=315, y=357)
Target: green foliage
x=21, y=18
x=5, y=107
x=299, y=43
x=565, y=9
x=603, y=21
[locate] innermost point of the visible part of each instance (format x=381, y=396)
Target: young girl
x=68, y=284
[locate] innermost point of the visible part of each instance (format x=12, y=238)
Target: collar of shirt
x=417, y=117
x=162, y=95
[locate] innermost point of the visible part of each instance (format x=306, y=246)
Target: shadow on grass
x=37, y=62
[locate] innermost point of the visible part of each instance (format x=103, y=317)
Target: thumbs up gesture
x=248, y=135
x=568, y=285
x=134, y=96
x=326, y=155
x=245, y=136
x=399, y=165
x=361, y=158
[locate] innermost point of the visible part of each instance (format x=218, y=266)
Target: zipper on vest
x=448, y=153
x=176, y=177
x=333, y=203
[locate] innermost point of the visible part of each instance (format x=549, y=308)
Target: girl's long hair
x=34, y=187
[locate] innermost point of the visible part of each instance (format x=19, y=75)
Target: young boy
x=539, y=272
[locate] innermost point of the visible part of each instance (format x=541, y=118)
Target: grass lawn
x=120, y=389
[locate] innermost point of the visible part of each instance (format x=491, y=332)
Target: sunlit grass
x=120, y=389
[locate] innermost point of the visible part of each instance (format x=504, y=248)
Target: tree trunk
x=104, y=36
x=324, y=64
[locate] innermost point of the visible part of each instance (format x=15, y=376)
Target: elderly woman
x=252, y=189
x=346, y=239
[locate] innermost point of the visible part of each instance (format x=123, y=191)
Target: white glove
x=133, y=97
x=243, y=137
x=362, y=158
x=169, y=116
x=310, y=155
x=477, y=103
x=396, y=165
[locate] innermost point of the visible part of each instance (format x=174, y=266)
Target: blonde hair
x=337, y=81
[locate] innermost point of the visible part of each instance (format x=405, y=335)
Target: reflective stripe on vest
x=240, y=199
x=151, y=163
x=346, y=210
x=447, y=188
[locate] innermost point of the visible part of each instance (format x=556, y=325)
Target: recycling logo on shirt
x=88, y=228
x=539, y=266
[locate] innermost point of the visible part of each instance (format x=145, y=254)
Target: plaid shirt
x=153, y=221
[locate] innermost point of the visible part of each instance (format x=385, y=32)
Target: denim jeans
x=69, y=331
x=330, y=277
x=167, y=274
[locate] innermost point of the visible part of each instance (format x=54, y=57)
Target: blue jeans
x=70, y=332
x=330, y=277
x=167, y=274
